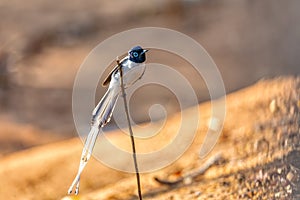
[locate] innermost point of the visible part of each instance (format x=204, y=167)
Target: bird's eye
x=135, y=54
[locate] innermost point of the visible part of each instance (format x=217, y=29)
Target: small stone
x=277, y=195
x=290, y=176
x=260, y=175
x=292, y=110
x=273, y=106
x=187, y=181
x=283, y=181
x=214, y=124
x=197, y=194
x=289, y=189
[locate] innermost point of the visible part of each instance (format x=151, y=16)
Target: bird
x=133, y=68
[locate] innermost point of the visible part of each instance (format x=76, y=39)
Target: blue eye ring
x=135, y=54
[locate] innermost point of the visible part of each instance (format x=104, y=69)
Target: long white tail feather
x=101, y=115
x=103, y=111
x=85, y=156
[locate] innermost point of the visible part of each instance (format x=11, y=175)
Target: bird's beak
x=145, y=50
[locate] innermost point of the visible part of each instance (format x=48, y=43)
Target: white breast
x=131, y=73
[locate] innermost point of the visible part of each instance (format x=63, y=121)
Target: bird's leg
x=85, y=156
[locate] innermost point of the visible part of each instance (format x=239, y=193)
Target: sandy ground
x=259, y=148
x=43, y=43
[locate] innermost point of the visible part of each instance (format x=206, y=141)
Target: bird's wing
x=108, y=78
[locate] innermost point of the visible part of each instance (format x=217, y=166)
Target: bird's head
x=137, y=54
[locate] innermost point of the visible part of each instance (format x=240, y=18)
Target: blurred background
x=43, y=43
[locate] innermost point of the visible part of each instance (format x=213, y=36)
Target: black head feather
x=137, y=54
